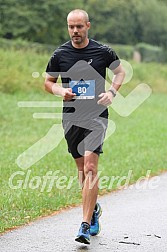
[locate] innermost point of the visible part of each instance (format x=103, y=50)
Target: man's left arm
x=107, y=98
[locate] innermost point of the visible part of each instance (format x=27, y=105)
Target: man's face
x=78, y=28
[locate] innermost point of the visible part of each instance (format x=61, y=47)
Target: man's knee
x=90, y=168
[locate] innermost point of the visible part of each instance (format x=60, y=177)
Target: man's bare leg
x=80, y=166
x=90, y=187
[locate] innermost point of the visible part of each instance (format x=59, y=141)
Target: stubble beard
x=78, y=40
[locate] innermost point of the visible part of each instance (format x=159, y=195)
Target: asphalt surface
x=133, y=219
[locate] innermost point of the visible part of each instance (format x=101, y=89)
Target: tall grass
x=16, y=68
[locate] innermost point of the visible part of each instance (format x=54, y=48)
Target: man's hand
x=67, y=94
x=106, y=99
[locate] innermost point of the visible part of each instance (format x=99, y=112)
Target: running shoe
x=95, y=226
x=83, y=234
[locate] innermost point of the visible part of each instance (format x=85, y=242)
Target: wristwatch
x=113, y=91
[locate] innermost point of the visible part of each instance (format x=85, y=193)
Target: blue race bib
x=83, y=89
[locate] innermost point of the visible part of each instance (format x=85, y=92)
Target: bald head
x=78, y=26
x=78, y=12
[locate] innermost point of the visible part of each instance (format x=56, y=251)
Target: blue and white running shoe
x=83, y=234
x=95, y=225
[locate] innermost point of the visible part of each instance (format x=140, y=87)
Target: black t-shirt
x=85, y=64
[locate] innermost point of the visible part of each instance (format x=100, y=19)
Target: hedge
x=151, y=53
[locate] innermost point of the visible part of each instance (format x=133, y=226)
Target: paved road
x=133, y=220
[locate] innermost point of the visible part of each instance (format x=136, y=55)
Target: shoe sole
x=100, y=212
x=82, y=239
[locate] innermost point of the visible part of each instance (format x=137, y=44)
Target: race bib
x=83, y=89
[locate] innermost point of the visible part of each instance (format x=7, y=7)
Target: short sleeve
x=112, y=60
x=53, y=65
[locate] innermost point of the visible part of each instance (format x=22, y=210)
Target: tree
x=42, y=21
x=152, y=17
x=113, y=21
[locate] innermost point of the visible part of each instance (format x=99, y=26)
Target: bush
x=123, y=51
x=151, y=53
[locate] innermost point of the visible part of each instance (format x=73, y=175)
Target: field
x=138, y=144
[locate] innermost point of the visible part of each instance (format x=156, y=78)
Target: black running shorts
x=84, y=136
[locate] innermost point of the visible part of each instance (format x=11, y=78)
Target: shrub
x=18, y=44
x=151, y=53
x=124, y=51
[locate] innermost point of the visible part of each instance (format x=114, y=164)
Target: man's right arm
x=52, y=87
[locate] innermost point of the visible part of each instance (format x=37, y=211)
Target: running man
x=85, y=102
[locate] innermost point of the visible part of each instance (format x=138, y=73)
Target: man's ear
x=88, y=25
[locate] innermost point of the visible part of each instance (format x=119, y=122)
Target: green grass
x=16, y=68
x=138, y=144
